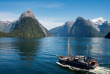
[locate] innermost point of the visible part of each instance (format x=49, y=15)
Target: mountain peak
x=29, y=10
x=79, y=18
x=28, y=13
x=99, y=20
x=69, y=22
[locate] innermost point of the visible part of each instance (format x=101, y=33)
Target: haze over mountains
x=84, y=28
x=26, y=26
x=62, y=30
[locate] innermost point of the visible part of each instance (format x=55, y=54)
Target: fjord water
x=36, y=56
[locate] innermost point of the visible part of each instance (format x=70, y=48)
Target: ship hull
x=77, y=65
x=84, y=65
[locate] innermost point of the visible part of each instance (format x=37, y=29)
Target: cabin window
x=81, y=60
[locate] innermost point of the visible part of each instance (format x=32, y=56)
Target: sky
x=54, y=13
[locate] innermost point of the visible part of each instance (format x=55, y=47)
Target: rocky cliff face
x=28, y=13
x=82, y=28
x=104, y=28
x=62, y=30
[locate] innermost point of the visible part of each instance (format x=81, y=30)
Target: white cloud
x=50, y=23
x=35, y=4
x=7, y=16
x=54, y=5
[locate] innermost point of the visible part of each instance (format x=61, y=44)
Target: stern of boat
x=94, y=64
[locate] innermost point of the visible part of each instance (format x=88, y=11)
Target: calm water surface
x=38, y=56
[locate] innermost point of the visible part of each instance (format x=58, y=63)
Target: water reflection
x=79, y=45
x=27, y=48
x=33, y=56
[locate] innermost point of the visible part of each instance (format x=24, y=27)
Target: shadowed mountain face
x=82, y=28
x=27, y=27
x=108, y=35
x=62, y=30
x=104, y=28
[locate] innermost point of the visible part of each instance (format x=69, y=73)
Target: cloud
x=8, y=16
x=53, y=5
x=33, y=4
x=50, y=23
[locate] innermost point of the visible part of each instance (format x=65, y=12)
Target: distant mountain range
x=83, y=28
x=63, y=31
x=26, y=26
x=5, y=26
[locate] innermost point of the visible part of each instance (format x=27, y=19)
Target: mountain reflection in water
x=31, y=56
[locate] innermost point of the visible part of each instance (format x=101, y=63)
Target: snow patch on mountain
x=98, y=21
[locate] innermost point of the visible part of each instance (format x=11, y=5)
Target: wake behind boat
x=81, y=62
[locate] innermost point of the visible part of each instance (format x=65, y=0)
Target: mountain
x=83, y=28
x=104, y=28
x=102, y=25
x=5, y=26
x=2, y=34
x=28, y=13
x=98, y=21
x=94, y=25
x=62, y=31
x=28, y=26
x=108, y=35
x=55, y=30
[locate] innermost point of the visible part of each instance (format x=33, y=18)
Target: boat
x=81, y=62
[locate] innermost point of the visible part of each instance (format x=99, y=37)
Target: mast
x=87, y=50
x=68, y=46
